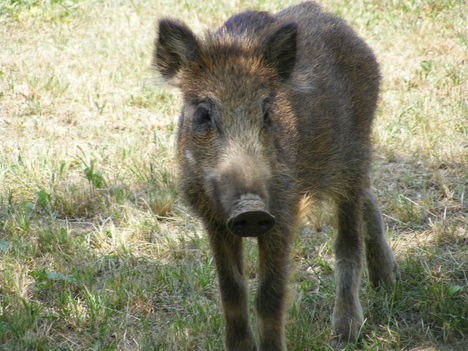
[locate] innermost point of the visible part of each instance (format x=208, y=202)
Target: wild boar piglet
x=275, y=107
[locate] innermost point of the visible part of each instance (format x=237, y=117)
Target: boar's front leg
x=271, y=297
x=347, y=313
x=227, y=250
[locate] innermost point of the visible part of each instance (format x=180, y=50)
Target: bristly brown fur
x=277, y=106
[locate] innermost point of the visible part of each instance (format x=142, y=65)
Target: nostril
x=265, y=224
x=240, y=224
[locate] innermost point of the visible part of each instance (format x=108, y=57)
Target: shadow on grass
x=150, y=284
x=75, y=297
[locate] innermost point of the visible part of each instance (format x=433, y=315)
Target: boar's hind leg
x=380, y=261
x=227, y=250
x=271, y=296
x=347, y=313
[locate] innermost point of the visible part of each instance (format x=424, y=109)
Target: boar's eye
x=202, y=118
x=266, y=113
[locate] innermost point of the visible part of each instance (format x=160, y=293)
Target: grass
x=98, y=253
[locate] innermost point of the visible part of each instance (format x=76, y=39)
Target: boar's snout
x=251, y=223
x=249, y=217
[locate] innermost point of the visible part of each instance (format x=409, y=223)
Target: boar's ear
x=280, y=49
x=175, y=47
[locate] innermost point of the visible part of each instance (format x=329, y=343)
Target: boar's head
x=234, y=91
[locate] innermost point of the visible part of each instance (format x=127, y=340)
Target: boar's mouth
x=249, y=218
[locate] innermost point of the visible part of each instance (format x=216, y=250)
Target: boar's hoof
x=251, y=223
